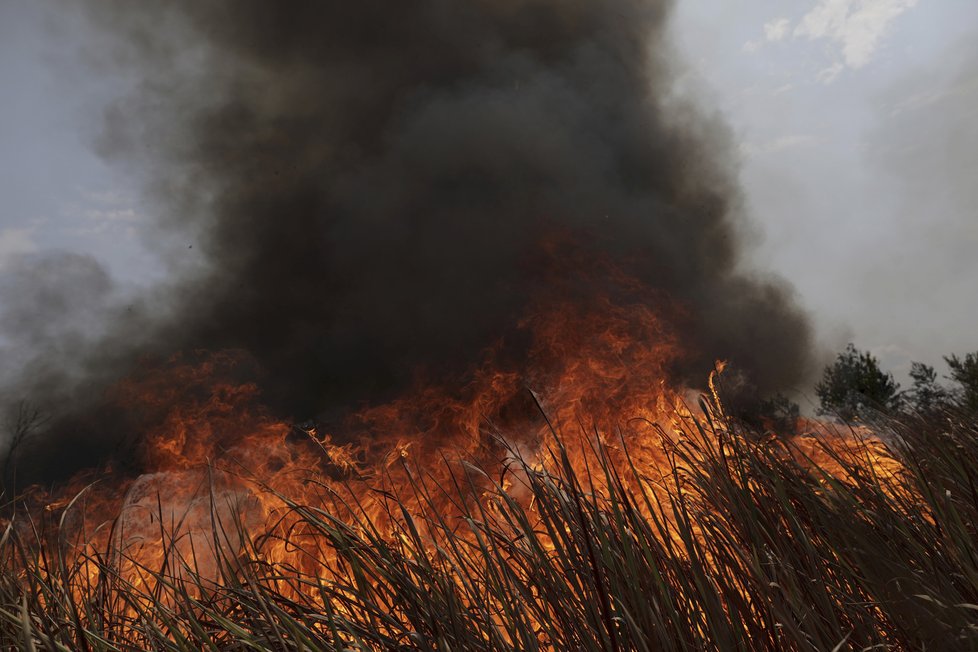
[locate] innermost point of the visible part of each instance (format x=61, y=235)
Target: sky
x=858, y=139
x=855, y=125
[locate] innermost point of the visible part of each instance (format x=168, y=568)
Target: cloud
x=929, y=97
x=780, y=144
x=98, y=223
x=777, y=29
x=856, y=27
x=105, y=197
x=101, y=212
x=923, y=147
x=114, y=215
x=774, y=30
x=15, y=242
x=829, y=75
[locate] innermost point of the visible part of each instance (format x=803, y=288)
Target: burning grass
x=602, y=513
x=736, y=540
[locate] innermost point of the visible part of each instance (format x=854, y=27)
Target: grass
x=740, y=540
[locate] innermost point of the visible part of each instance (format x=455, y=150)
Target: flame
x=222, y=476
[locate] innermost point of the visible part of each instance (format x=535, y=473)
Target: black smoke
x=358, y=192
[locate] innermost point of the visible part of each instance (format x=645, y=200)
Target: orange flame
x=220, y=472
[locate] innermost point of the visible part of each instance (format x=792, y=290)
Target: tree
x=26, y=420
x=780, y=414
x=855, y=386
x=742, y=400
x=965, y=373
x=927, y=396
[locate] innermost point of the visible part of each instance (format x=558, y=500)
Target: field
x=837, y=539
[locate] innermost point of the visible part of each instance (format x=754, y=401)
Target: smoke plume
x=358, y=192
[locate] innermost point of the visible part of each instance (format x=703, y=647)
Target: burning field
x=604, y=512
x=436, y=365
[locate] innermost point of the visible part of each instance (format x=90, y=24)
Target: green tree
x=855, y=386
x=964, y=371
x=926, y=396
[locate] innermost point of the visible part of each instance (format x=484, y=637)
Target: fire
x=223, y=479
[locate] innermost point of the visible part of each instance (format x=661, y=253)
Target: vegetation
x=856, y=384
x=740, y=541
x=25, y=419
x=964, y=371
x=854, y=387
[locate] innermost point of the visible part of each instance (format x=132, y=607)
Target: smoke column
x=353, y=191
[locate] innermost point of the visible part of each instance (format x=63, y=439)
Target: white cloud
x=105, y=197
x=829, y=75
x=777, y=29
x=98, y=223
x=774, y=30
x=113, y=215
x=856, y=27
x=780, y=144
x=932, y=96
x=753, y=46
x=16, y=242
x=100, y=212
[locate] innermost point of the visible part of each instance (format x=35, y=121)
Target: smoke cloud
x=358, y=192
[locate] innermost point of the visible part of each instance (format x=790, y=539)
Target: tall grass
x=744, y=541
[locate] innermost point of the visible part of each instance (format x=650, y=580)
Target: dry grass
x=741, y=545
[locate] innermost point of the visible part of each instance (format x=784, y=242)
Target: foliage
x=742, y=400
x=26, y=420
x=964, y=371
x=780, y=414
x=926, y=396
x=855, y=386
